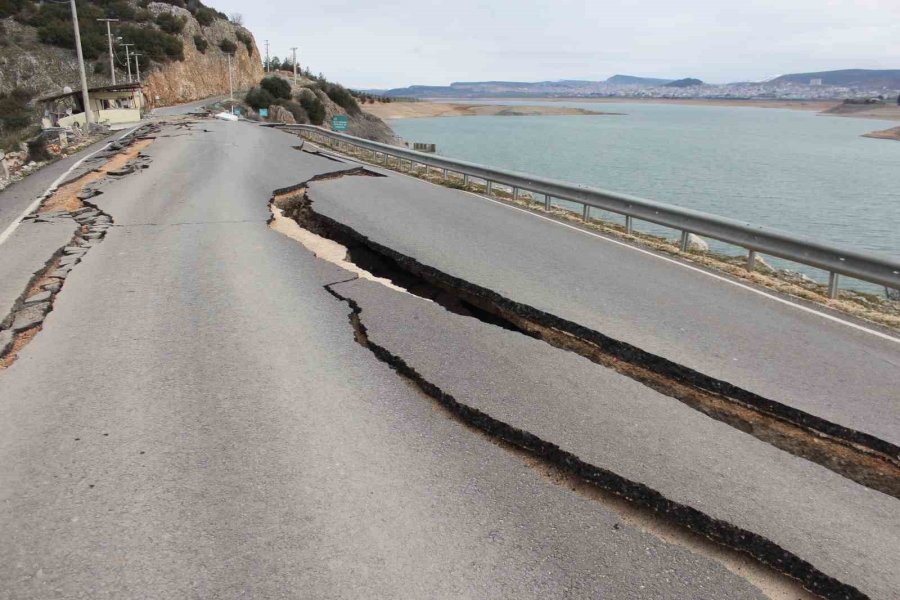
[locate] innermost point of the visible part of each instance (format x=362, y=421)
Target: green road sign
x=339, y=123
x=264, y=112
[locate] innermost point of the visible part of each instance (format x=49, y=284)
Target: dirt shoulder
x=412, y=110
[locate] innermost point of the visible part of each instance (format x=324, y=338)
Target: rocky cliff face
x=203, y=74
x=44, y=69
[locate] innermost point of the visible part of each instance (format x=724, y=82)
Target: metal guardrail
x=755, y=238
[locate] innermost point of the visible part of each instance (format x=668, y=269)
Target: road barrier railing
x=755, y=239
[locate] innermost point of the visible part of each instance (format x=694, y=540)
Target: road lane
x=824, y=368
x=195, y=420
x=846, y=530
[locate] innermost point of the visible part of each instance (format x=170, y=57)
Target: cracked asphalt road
x=790, y=356
x=195, y=421
x=848, y=531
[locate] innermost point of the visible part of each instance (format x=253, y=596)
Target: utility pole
x=137, y=66
x=267, y=56
x=295, y=65
x=88, y=114
x=112, y=64
x=128, y=60
x=230, y=85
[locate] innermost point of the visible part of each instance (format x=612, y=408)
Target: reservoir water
x=789, y=169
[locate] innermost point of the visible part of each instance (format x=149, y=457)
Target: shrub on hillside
x=9, y=8
x=278, y=87
x=245, y=38
x=314, y=108
x=200, y=43
x=170, y=23
x=156, y=45
x=37, y=149
x=295, y=108
x=205, y=16
x=227, y=46
x=342, y=97
x=14, y=111
x=258, y=98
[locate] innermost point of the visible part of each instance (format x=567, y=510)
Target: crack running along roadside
x=866, y=459
x=633, y=511
x=797, y=297
x=67, y=199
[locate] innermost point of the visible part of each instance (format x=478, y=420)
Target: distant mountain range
x=862, y=78
x=883, y=78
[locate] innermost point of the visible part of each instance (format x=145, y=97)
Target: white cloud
x=365, y=44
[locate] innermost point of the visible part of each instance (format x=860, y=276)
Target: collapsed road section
x=864, y=458
x=740, y=492
x=69, y=203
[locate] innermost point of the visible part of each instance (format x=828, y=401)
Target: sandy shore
x=885, y=134
x=412, y=110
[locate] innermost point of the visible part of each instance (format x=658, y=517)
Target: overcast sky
x=365, y=44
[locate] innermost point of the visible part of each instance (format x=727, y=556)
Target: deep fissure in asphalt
x=730, y=536
x=858, y=456
x=92, y=224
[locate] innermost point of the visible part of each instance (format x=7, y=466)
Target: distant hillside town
x=858, y=84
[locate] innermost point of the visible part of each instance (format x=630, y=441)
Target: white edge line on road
x=37, y=201
x=744, y=286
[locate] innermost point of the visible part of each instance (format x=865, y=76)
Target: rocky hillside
x=184, y=44
x=315, y=100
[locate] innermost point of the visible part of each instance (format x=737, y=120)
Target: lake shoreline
x=428, y=109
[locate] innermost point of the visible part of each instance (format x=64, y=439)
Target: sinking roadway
x=210, y=410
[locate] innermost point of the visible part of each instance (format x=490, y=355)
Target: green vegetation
x=244, y=37
x=276, y=86
x=205, y=16
x=170, y=23
x=258, y=98
x=227, y=46
x=158, y=46
x=53, y=22
x=341, y=96
x=200, y=43
x=295, y=108
x=16, y=118
x=314, y=108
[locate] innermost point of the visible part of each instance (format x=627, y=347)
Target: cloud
x=366, y=44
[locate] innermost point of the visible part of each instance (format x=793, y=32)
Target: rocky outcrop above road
x=43, y=69
x=203, y=74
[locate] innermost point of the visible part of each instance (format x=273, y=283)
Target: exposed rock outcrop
x=26, y=62
x=202, y=74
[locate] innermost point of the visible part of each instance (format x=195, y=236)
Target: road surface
x=197, y=420
x=784, y=353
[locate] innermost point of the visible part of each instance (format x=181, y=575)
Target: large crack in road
x=69, y=201
x=861, y=457
x=374, y=261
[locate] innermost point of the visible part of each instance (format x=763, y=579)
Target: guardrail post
x=751, y=261
x=515, y=194
x=833, y=279
x=488, y=187
x=629, y=225
x=546, y=202
x=465, y=180
x=586, y=213
x=684, y=241
x=444, y=173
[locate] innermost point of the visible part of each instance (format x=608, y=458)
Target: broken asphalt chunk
x=30, y=316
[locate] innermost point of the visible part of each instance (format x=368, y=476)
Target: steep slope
x=183, y=56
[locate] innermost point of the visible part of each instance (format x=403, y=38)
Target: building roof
x=121, y=87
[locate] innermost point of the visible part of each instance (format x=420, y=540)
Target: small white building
x=113, y=105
